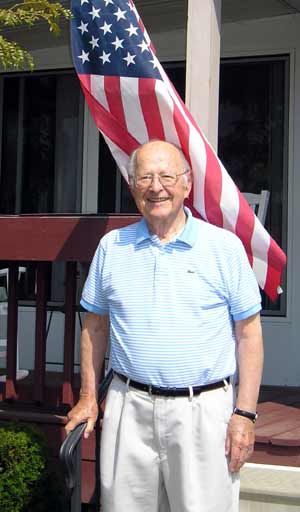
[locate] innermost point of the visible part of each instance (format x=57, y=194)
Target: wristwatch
x=252, y=416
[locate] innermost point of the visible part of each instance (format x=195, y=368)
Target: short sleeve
x=93, y=297
x=244, y=294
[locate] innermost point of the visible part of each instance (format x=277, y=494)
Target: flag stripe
x=109, y=125
x=150, y=108
x=245, y=229
x=229, y=196
x=119, y=156
x=166, y=108
x=112, y=89
x=275, y=269
x=133, y=111
x=198, y=159
x=98, y=91
x=213, y=188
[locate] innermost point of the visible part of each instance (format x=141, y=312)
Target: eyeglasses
x=167, y=180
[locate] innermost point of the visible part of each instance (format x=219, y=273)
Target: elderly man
x=180, y=304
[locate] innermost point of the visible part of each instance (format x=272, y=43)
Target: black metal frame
x=70, y=453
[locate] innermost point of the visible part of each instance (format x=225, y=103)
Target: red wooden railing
x=45, y=239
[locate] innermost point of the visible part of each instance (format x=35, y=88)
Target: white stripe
x=198, y=160
x=165, y=105
x=147, y=38
x=260, y=244
x=98, y=91
x=172, y=93
x=120, y=157
x=132, y=109
x=229, y=202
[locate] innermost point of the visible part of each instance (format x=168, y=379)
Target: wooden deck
x=278, y=427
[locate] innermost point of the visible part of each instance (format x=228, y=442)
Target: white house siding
x=245, y=38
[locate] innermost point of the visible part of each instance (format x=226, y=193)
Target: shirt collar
x=188, y=235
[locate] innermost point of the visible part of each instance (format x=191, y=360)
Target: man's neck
x=167, y=229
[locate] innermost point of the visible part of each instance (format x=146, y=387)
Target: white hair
x=132, y=165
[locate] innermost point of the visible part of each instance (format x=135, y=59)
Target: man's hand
x=239, y=441
x=94, y=339
x=85, y=410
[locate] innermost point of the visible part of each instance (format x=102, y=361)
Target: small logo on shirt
x=191, y=272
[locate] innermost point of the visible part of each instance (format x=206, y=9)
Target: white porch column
x=203, y=64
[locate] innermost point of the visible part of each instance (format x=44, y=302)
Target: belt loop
x=226, y=385
x=191, y=393
x=150, y=391
x=127, y=384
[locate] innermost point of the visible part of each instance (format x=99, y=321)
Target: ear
x=189, y=184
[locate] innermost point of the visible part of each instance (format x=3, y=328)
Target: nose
x=156, y=185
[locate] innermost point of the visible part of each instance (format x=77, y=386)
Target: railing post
x=69, y=334
x=40, y=332
x=12, y=332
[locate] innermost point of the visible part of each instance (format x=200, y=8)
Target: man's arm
x=240, y=433
x=94, y=339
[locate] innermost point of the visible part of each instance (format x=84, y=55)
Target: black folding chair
x=70, y=454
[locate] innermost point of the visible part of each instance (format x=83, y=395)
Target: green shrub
x=28, y=483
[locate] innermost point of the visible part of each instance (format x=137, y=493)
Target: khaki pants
x=166, y=454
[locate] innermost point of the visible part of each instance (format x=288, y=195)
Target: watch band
x=252, y=416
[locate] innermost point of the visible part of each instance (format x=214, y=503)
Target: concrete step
x=266, y=488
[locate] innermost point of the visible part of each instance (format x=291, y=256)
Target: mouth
x=158, y=199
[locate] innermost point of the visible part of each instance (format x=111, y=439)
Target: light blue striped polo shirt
x=172, y=306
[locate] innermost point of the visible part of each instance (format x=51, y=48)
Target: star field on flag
x=102, y=27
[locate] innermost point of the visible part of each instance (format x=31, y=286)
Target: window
x=253, y=137
x=41, y=161
x=41, y=154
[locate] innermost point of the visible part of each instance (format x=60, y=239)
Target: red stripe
x=112, y=88
x=188, y=114
x=150, y=108
x=183, y=133
x=276, y=265
x=85, y=81
x=212, y=187
x=142, y=26
x=108, y=124
x=245, y=226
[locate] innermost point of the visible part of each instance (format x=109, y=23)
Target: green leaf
x=28, y=13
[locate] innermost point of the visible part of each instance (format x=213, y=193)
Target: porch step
x=266, y=488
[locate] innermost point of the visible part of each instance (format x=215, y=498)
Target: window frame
x=82, y=113
x=283, y=314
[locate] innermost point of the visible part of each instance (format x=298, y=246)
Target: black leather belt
x=156, y=390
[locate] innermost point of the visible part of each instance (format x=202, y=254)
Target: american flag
x=132, y=101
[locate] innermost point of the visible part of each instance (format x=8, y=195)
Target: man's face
x=157, y=200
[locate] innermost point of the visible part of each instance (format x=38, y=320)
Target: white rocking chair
x=259, y=204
